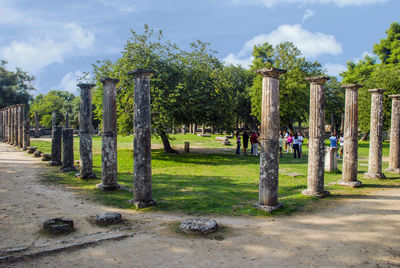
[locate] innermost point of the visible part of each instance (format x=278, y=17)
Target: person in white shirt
x=341, y=142
x=301, y=139
x=296, y=145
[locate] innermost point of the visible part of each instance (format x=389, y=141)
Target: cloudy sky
x=58, y=40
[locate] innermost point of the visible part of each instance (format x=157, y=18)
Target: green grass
x=214, y=183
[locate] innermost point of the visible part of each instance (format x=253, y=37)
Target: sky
x=58, y=40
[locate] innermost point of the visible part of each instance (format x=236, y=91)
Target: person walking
x=286, y=143
x=290, y=142
x=238, y=143
x=301, y=140
x=254, y=143
x=296, y=146
x=245, y=142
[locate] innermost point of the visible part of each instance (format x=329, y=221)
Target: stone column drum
x=27, y=138
x=330, y=159
x=350, y=149
x=316, y=148
x=85, y=133
x=376, y=136
x=56, y=146
x=1, y=124
x=109, y=163
x=142, y=191
x=10, y=125
x=394, y=155
x=21, y=119
x=14, y=125
x=68, y=150
x=37, y=125
x=269, y=139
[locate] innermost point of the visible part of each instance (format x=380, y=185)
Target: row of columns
x=14, y=126
x=142, y=137
x=269, y=160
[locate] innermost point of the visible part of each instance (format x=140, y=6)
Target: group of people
x=291, y=142
x=253, y=137
x=335, y=141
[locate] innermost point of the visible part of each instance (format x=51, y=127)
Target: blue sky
x=57, y=40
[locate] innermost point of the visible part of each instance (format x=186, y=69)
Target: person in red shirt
x=254, y=143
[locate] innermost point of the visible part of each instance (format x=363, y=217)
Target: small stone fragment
x=46, y=157
x=37, y=153
x=58, y=226
x=199, y=226
x=108, y=218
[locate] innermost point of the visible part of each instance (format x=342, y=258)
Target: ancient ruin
x=394, y=153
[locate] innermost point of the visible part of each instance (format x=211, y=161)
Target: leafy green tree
x=388, y=49
x=15, y=87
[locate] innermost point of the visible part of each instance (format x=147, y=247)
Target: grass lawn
x=212, y=183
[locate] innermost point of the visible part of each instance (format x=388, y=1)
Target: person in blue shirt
x=333, y=140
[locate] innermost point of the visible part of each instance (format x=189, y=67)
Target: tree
x=15, y=87
x=388, y=49
x=294, y=89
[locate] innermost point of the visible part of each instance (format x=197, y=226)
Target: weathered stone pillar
x=142, y=192
x=10, y=124
x=37, y=135
x=68, y=150
x=1, y=125
x=269, y=139
x=54, y=119
x=331, y=159
x=109, y=163
x=66, y=120
x=14, y=126
x=316, y=148
x=203, y=129
x=56, y=146
x=183, y=129
x=394, y=155
x=21, y=118
x=194, y=128
x=27, y=137
x=85, y=133
x=187, y=147
x=376, y=136
x=350, y=150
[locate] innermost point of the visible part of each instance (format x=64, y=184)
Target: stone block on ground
x=46, y=157
x=220, y=138
x=31, y=150
x=37, y=154
x=108, y=218
x=204, y=135
x=226, y=143
x=294, y=174
x=58, y=226
x=199, y=226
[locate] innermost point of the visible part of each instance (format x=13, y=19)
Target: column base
x=354, y=184
x=68, y=169
x=374, y=176
x=393, y=170
x=103, y=187
x=315, y=194
x=54, y=163
x=142, y=204
x=267, y=209
x=85, y=177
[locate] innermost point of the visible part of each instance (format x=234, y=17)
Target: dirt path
x=356, y=231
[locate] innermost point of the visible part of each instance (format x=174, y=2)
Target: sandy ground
x=356, y=231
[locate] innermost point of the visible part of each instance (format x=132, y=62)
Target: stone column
x=85, y=133
x=142, y=192
x=376, y=136
x=350, y=150
x=269, y=140
x=56, y=146
x=316, y=148
x=54, y=119
x=15, y=115
x=10, y=124
x=37, y=135
x=183, y=129
x=1, y=125
x=21, y=118
x=68, y=150
x=27, y=138
x=66, y=120
x=330, y=159
x=109, y=163
x=394, y=155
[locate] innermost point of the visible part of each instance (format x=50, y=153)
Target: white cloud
x=308, y=14
x=38, y=53
x=69, y=82
x=340, y=3
x=334, y=69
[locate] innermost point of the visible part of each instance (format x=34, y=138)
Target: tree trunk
x=194, y=128
x=203, y=129
x=166, y=144
x=365, y=136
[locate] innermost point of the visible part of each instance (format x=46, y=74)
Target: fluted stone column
x=37, y=135
x=376, y=136
x=85, y=133
x=15, y=125
x=54, y=119
x=1, y=125
x=10, y=124
x=56, y=146
x=68, y=150
x=316, y=148
x=269, y=139
x=109, y=163
x=394, y=155
x=21, y=118
x=142, y=192
x=350, y=150
x=27, y=138
x=67, y=120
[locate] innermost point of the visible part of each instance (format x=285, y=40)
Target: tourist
x=280, y=145
x=290, y=143
x=333, y=141
x=301, y=140
x=341, y=142
x=296, y=146
x=245, y=142
x=286, y=144
x=254, y=143
x=238, y=143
